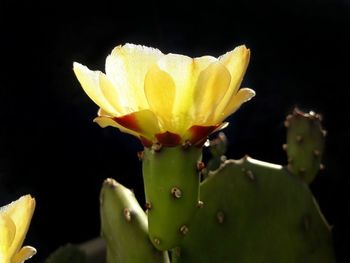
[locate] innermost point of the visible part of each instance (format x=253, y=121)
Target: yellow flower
x=14, y=223
x=169, y=98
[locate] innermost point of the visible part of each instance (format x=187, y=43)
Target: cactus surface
x=305, y=143
x=124, y=227
x=256, y=212
x=171, y=183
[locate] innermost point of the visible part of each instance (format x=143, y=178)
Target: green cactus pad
x=305, y=143
x=124, y=227
x=171, y=183
x=256, y=212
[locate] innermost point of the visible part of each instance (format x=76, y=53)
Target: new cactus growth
x=124, y=227
x=171, y=184
x=305, y=143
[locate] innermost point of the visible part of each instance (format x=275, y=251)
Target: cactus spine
x=171, y=184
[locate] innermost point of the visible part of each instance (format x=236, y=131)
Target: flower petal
x=160, y=92
x=141, y=123
x=109, y=91
x=211, y=87
x=90, y=81
x=197, y=135
x=25, y=253
x=236, y=61
x=184, y=71
x=168, y=139
x=126, y=67
x=243, y=95
x=20, y=212
x=104, y=122
x=8, y=233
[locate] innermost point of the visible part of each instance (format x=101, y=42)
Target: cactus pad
x=171, y=184
x=305, y=143
x=256, y=212
x=124, y=227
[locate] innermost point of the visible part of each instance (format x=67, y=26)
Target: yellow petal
x=184, y=71
x=236, y=61
x=111, y=94
x=160, y=93
x=90, y=81
x=243, y=95
x=25, y=253
x=20, y=212
x=7, y=233
x=211, y=86
x=142, y=123
x=108, y=121
x=126, y=67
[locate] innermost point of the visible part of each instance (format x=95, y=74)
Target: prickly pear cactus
x=255, y=212
x=171, y=184
x=124, y=227
x=244, y=211
x=305, y=143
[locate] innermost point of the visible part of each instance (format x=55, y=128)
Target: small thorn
x=200, y=204
x=296, y=111
x=110, y=182
x=187, y=144
x=140, y=155
x=324, y=133
x=220, y=217
x=127, y=214
x=207, y=143
x=156, y=147
x=289, y=117
x=223, y=158
x=176, y=192
x=322, y=167
x=299, y=138
x=184, y=229
x=148, y=206
x=250, y=175
x=200, y=166
x=316, y=153
x=285, y=147
x=286, y=124
x=156, y=241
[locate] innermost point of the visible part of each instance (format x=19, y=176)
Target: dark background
x=50, y=148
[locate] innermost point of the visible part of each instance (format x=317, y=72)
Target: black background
x=50, y=148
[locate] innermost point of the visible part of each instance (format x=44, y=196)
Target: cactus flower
x=166, y=98
x=14, y=223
